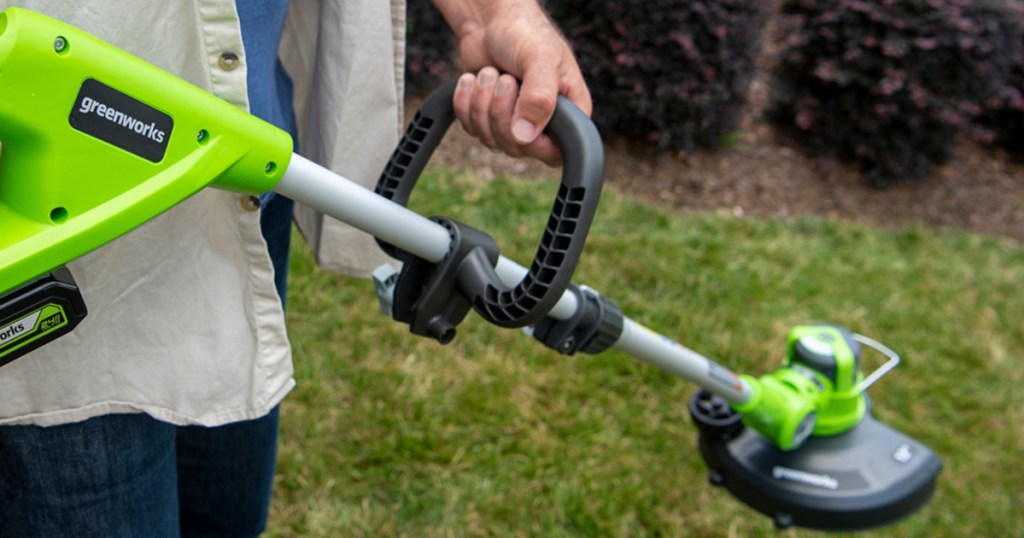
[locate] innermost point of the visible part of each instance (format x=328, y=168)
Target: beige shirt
x=184, y=323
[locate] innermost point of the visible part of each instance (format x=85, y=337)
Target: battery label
x=31, y=327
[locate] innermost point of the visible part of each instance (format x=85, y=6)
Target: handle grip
x=571, y=215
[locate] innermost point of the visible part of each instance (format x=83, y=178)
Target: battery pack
x=38, y=313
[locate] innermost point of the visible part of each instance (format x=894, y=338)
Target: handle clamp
x=430, y=297
x=435, y=298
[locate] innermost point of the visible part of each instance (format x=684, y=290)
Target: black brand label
x=123, y=121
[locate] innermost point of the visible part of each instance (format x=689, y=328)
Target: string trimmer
x=97, y=142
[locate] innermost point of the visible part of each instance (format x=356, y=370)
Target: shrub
x=890, y=83
x=1006, y=119
x=672, y=72
x=429, y=48
x=1004, y=115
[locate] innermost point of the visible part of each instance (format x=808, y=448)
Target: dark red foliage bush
x=674, y=73
x=671, y=72
x=891, y=83
x=1004, y=115
x=429, y=48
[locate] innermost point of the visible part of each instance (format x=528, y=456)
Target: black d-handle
x=562, y=243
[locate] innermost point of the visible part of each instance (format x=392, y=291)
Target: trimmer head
x=869, y=476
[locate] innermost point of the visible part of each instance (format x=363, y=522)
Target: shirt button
x=229, y=61
x=250, y=203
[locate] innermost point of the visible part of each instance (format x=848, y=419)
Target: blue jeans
x=133, y=476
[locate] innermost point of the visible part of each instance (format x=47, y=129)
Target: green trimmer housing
x=65, y=101
x=96, y=142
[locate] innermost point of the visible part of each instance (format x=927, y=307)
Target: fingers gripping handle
x=565, y=234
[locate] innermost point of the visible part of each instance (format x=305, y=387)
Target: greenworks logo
x=31, y=327
x=122, y=120
x=149, y=130
x=18, y=328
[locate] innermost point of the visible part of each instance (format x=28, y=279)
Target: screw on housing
x=60, y=44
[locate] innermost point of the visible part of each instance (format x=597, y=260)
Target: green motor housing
x=816, y=392
x=831, y=354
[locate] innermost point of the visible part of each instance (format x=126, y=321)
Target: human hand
x=500, y=43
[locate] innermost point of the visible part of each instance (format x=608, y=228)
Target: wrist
x=467, y=17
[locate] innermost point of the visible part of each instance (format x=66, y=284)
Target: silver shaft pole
x=315, y=186
x=331, y=194
x=661, y=351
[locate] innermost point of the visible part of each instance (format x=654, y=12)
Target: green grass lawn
x=389, y=434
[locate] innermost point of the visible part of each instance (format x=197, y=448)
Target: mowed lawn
x=390, y=434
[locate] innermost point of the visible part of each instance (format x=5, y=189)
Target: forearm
x=467, y=17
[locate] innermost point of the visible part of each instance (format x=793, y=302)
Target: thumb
x=535, y=105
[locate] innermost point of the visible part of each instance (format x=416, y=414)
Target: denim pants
x=129, y=475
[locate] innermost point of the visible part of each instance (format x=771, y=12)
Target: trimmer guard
x=867, y=477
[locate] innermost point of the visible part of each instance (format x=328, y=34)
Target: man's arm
x=502, y=42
